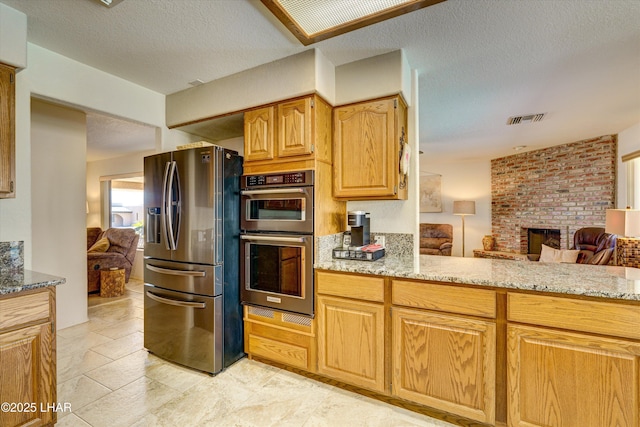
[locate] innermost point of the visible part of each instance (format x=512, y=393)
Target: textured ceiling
x=479, y=62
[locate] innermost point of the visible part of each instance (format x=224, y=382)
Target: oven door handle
x=273, y=191
x=273, y=238
x=175, y=302
x=188, y=273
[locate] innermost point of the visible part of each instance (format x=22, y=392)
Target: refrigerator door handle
x=186, y=273
x=172, y=221
x=165, y=195
x=177, y=303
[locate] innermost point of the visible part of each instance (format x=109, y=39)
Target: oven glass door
x=277, y=272
x=288, y=209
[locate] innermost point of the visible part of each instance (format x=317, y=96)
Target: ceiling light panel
x=314, y=20
x=315, y=16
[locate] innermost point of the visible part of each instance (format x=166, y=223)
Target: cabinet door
x=27, y=375
x=445, y=362
x=294, y=128
x=259, y=134
x=568, y=379
x=366, y=150
x=351, y=341
x=7, y=126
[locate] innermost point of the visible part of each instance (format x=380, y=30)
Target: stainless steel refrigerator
x=192, y=311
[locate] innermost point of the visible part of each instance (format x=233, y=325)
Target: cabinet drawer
x=579, y=315
x=22, y=309
x=355, y=286
x=451, y=299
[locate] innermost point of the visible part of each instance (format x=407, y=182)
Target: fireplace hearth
x=536, y=237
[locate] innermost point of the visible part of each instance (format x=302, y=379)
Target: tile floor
x=108, y=379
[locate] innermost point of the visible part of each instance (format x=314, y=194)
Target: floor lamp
x=463, y=208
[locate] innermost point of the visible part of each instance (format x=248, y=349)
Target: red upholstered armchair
x=596, y=246
x=120, y=252
x=436, y=239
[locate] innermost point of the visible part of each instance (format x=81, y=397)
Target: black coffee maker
x=358, y=221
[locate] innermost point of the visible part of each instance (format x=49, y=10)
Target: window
x=632, y=162
x=123, y=203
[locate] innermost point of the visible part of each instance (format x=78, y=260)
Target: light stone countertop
x=575, y=279
x=18, y=280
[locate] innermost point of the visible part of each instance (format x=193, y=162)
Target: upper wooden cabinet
x=7, y=131
x=290, y=135
x=258, y=134
x=367, y=147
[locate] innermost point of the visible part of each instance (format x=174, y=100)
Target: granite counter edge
x=18, y=281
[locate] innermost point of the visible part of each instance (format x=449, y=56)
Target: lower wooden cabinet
x=445, y=362
x=27, y=358
x=567, y=379
x=281, y=337
x=351, y=341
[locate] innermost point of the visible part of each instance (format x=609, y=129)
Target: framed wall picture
x=430, y=192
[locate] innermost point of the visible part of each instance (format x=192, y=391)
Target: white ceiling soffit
x=477, y=62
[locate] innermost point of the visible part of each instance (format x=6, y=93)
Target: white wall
x=462, y=181
x=54, y=77
x=58, y=153
x=628, y=142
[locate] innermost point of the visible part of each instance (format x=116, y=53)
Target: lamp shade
x=623, y=222
x=464, y=207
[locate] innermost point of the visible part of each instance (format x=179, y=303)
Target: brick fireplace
x=565, y=187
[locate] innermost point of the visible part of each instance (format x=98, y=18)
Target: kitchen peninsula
x=501, y=342
x=27, y=347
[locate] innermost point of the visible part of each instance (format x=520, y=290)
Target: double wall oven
x=276, y=246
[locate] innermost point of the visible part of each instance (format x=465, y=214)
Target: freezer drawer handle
x=197, y=273
x=274, y=191
x=176, y=302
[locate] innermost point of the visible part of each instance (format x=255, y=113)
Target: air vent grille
x=298, y=320
x=530, y=118
x=264, y=312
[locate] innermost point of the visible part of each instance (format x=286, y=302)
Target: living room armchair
x=596, y=246
x=436, y=239
x=114, y=247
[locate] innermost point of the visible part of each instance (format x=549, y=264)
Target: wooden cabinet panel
x=27, y=375
x=295, y=132
x=7, y=131
x=367, y=149
x=368, y=288
x=445, y=362
x=452, y=299
x=570, y=379
x=351, y=341
x=23, y=309
x=282, y=337
x=259, y=128
x=601, y=317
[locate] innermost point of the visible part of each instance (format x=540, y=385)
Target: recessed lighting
x=312, y=20
x=519, y=147
x=196, y=82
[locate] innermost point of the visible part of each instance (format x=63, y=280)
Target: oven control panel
x=285, y=179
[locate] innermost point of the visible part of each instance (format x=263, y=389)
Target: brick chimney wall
x=565, y=187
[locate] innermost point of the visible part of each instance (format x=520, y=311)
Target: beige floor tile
x=115, y=312
x=122, y=346
x=72, y=420
x=75, y=364
x=175, y=376
x=125, y=370
x=80, y=344
x=80, y=391
x=128, y=404
x=120, y=329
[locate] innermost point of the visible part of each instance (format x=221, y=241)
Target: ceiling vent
x=525, y=119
